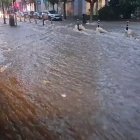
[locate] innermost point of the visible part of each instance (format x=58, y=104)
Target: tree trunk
x=91, y=10
x=35, y=6
x=57, y=7
x=64, y=7
x=30, y=6
x=4, y=19
x=46, y=5
x=73, y=8
x=97, y=8
x=53, y=6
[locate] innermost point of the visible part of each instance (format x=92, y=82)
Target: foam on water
x=1, y=57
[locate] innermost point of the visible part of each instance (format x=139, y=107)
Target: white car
x=52, y=15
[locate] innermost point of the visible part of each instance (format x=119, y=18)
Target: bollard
x=43, y=21
x=51, y=21
x=98, y=22
x=78, y=24
x=127, y=26
x=29, y=19
x=20, y=19
x=24, y=18
x=35, y=21
x=84, y=19
x=11, y=20
x=15, y=20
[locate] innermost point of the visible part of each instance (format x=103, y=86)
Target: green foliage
x=128, y=7
x=117, y=8
x=113, y=3
x=109, y=13
x=6, y=2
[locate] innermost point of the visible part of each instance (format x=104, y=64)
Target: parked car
x=38, y=15
x=53, y=15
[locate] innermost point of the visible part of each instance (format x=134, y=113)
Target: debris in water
x=3, y=68
x=9, y=50
x=63, y=95
x=46, y=82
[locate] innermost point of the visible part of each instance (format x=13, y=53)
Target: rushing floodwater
x=60, y=84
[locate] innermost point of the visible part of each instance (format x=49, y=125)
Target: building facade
x=79, y=7
x=73, y=7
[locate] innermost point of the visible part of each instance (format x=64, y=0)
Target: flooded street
x=57, y=83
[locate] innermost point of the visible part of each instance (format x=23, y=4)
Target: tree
x=114, y=2
x=92, y=2
x=7, y=3
x=128, y=7
x=32, y=1
x=3, y=4
x=124, y=7
x=53, y=2
x=4, y=19
x=64, y=7
x=133, y=3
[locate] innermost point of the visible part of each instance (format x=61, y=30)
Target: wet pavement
x=57, y=83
